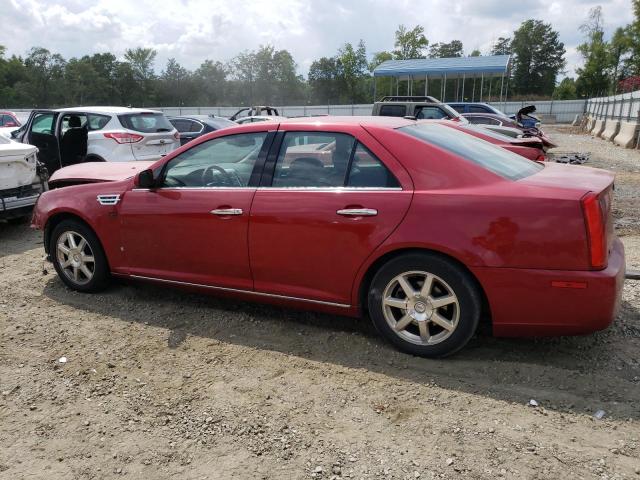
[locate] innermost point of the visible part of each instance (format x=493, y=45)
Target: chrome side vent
x=111, y=199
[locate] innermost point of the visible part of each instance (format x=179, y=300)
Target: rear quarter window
x=495, y=159
x=393, y=110
x=146, y=122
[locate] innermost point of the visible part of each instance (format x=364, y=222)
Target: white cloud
x=194, y=30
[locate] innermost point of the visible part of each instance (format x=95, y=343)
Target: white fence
x=625, y=106
x=563, y=111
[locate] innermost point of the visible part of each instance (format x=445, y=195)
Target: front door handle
x=358, y=212
x=226, y=211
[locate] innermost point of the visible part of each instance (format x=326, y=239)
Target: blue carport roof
x=454, y=66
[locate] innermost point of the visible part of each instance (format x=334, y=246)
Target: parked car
x=193, y=126
x=421, y=108
x=526, y=120
x=259, y=110
x=529, y=147
x=8, y=123
x=22, y=179
x=97, y=134
x=423, y=228
x=508, y=126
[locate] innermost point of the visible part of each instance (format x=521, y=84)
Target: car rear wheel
x=78, y=257
x=424, y=304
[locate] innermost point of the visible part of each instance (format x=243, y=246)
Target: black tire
x=446, y=275
x=100, y=278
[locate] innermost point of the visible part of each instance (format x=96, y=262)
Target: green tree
x=410, y=43
x=619, y=47
x=446, y=50
x=354, y=71
x=502, y=46
x=325, y=76
x=538, y=58
x=475, y=53
x=173, y=84
x=566, y=90
x=141, y=61
x=210, y=83
x=593, y=76
x=632, y=63
x=45, y=72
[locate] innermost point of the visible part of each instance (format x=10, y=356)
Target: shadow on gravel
x=18, y=238
x=570, y=374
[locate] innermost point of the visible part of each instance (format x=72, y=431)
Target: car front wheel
x=425, y=304
x=78, y=257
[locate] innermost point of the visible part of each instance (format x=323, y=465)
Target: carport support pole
x=463, y=75
x=481, y=85
x=444, y=89
x=501, y=85
x=473, y=90
x=426, y=85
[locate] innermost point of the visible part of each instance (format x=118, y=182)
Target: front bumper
x=17, y=202
x=524, y=302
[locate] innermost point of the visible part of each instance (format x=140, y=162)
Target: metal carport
x=454, y=68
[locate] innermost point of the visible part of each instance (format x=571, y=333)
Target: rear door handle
x=358, y=212
x=226, y=211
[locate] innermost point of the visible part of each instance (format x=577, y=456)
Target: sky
x=194, y=30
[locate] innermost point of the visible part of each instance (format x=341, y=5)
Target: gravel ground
x=160, y=384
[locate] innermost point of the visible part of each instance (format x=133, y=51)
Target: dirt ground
x=160, y=384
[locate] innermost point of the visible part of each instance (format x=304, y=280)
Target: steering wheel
x=228, y=179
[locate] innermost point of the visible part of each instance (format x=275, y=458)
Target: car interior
x=74, y=140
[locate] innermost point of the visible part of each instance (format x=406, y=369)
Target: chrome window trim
x=236, y=290
x=286, y=189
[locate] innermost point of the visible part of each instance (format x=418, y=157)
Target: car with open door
x=421, y=227
x=97, y=134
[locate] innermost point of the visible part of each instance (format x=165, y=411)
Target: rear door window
x=478, y=109
x=393, y=110
x=367, y=171
x=146, y=122
x=313, y=159
x=43, y=123
x=98, y=122
x=458, y=108
x=495, y=159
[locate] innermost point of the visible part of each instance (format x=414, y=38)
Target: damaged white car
x=22, y=179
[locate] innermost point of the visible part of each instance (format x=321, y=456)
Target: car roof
x=113, y=110
x=391, y=122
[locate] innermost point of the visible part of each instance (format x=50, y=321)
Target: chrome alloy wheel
x=420, y=307
x=75, y=257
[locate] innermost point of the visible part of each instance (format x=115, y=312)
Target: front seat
x=74, y=142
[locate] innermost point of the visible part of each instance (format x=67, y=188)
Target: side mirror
x=145, y=179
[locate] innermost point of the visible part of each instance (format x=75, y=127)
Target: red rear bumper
x=523, y=302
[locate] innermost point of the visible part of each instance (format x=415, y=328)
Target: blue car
x=523, y=116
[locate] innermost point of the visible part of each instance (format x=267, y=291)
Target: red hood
x=98, y=172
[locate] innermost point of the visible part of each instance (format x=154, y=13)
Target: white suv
x=97, y=134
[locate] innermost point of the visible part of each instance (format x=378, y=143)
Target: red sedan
x=419, y=226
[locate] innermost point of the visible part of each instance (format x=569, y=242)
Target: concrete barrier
x=591, y=125
x=611, y=129
x=627, y=136
x=577, y=120
x=598, y=127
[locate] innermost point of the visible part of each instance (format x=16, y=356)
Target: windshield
x=495, y=159
x=146, y=122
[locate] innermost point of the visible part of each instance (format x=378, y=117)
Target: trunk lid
x=17, y=164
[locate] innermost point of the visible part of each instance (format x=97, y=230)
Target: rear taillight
x=124, y=137
x=176, y=135
x=541, y=158
x=596, y=235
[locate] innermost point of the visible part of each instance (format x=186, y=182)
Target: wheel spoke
x=75, y=273
x=406, y=286
x=425, y=291
x=424, y=331
x=396, y=302
x=442, y=301
x=88, y=259
x=441, y=321
x=66, y=263
x=71, y=240
x=86, y=272
x=63, y=248
x=403, y=323
x=82, y=243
